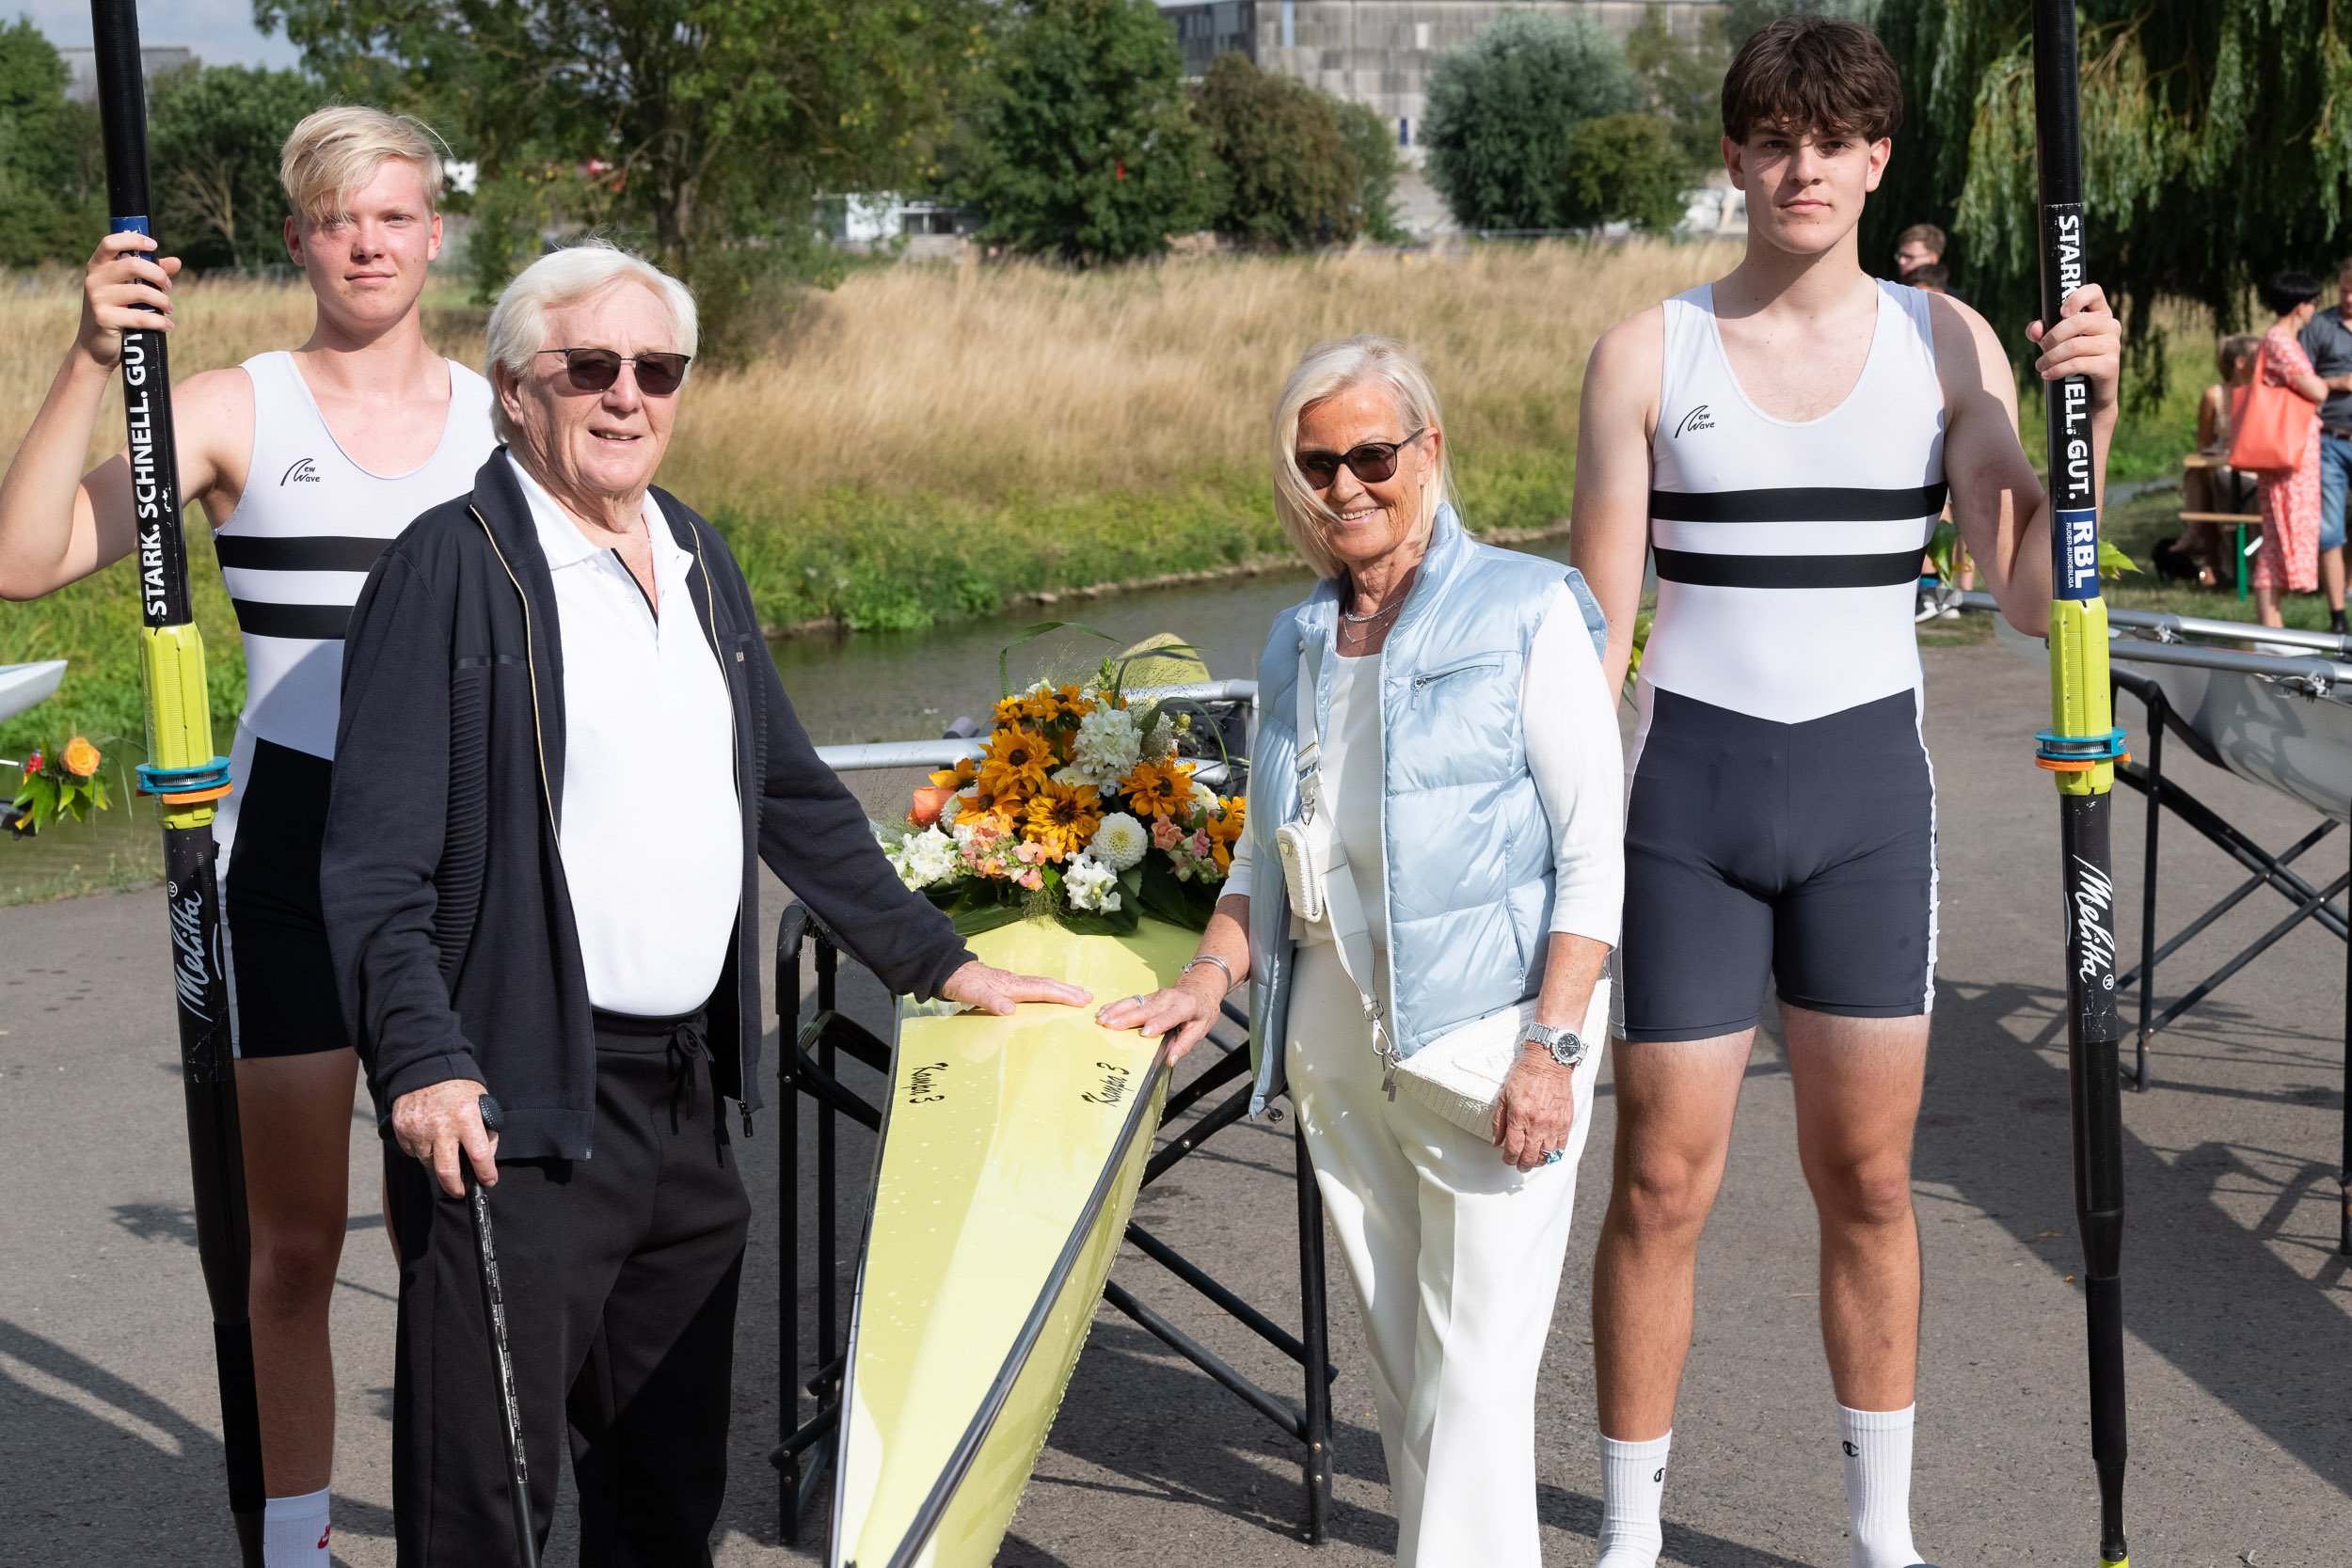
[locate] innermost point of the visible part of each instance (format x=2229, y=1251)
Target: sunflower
x=1062, y=817
x=1225, y=826
x=1017, y=761
x=1158, y=788
x=958, y=777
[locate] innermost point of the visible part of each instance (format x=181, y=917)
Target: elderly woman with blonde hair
x=1459, y=752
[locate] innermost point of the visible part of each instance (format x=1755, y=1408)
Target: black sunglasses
x=1373, y=462
x=594, y=370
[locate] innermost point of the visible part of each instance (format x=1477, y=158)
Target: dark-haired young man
x=1784, y=440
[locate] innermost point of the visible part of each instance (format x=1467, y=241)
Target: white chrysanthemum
x=1091, y=885
x=1108, y=747
x=1203, y=796
x=1120, y=842
x=1161, y=740
x=922, y=860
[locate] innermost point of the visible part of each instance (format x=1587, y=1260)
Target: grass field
x=928, y=442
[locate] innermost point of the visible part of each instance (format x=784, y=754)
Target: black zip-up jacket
x=455, y=948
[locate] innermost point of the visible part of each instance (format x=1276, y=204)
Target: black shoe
x=2337, y=624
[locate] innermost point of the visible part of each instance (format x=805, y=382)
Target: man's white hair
x=1325, y=372
x=518, y=322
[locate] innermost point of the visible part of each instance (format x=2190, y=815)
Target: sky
x=220, y=31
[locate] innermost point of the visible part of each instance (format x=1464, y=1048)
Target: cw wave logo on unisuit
x=301, y=471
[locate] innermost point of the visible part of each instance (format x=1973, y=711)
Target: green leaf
x=971, y=922
x=1004, y=676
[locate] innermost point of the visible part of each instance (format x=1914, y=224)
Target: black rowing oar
x=494, y=1313
x=2081, y=747
x=186, y=777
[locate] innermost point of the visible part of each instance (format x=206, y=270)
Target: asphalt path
x=2239, y=1313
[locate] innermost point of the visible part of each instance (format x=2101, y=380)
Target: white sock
x=294, y=1531
x=1877, y=1446
x=1632, y=1484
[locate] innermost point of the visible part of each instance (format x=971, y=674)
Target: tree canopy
x=1083, y=144
x=214, y=137
x=2217, y=149
x=692, y=129
x=1500, y=109
x=1295, y=167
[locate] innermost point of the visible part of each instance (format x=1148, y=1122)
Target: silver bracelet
x=1211, y=958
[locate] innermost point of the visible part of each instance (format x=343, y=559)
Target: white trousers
x=1455, y=1259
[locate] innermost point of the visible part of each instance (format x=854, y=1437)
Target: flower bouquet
x=1080, y=808
x=58, y=782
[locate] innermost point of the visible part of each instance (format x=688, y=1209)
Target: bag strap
x=1342, y=904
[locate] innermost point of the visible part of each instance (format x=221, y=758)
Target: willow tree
x=2217, y=148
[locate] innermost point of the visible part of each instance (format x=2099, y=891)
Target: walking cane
x=493, y=1312
x=2081, y=749
x=185, y=776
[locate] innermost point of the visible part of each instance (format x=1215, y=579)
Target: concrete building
x=81, y=63
x=1381, y=52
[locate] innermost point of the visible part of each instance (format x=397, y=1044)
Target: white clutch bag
x=1459, y=1074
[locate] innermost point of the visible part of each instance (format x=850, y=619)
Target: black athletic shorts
x=279, y=959
x=1805, y=853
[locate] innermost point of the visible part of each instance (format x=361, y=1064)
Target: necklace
x=1375, y=615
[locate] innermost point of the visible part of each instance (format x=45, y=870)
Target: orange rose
x=929, y=803
x=81, y=757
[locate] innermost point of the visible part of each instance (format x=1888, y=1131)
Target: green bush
x=1625, y=168
x=1083, y=144
x=1500, y=109
x=1295, y=167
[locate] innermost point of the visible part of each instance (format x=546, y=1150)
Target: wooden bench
x=2241, y=521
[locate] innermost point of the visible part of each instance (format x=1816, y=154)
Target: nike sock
x=1632, y=1484
x=1877, y=1446
x=294, y=1530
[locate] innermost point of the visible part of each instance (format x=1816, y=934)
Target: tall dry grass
x=981, y=382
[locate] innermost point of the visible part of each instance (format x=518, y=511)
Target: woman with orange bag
x=2290, y=494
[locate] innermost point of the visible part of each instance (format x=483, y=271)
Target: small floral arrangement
x=58, y=780
x=1079, y=808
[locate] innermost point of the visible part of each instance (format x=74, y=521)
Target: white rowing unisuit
x=1789, y=552
x=308, y=528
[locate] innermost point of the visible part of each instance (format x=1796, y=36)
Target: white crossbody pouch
x=1459, y=1074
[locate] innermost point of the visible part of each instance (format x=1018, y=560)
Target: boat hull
x=22, y=685
x=2298, y=744
x=1012, y=1153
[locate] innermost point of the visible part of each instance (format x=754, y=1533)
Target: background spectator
x=2329, y=343
x=2290, y=497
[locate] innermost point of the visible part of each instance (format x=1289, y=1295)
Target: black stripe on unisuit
x=324, y=552
x=1701, y=569
x=323, y=623
x=1797, y=505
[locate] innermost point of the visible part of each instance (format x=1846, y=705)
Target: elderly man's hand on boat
x=999, y=991
x=1188, y=1009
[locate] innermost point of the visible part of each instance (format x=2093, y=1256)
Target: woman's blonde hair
x=518, y=322
x=1325, y=372
x=337, y=150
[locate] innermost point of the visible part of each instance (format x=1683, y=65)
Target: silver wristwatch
x=1566, y=1046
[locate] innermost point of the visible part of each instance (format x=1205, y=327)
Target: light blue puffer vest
x=1470, y=876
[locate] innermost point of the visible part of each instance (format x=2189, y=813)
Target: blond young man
x=1784, y=440
x=307, y=463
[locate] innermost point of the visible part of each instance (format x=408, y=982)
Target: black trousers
x=620, y=1273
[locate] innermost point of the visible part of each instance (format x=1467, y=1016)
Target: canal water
x=863, y=687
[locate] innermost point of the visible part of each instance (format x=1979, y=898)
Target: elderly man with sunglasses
x=563, y=751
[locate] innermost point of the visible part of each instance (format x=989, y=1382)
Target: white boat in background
x=2277, y=712
x=22, y=685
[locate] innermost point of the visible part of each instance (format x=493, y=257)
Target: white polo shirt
x=652, y=835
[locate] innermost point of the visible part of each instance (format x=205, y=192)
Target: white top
x=1569, y=728
x=652, y=836
x=1789, y=553
x=297, y=550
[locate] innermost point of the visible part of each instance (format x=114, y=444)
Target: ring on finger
x=1553, y=1156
